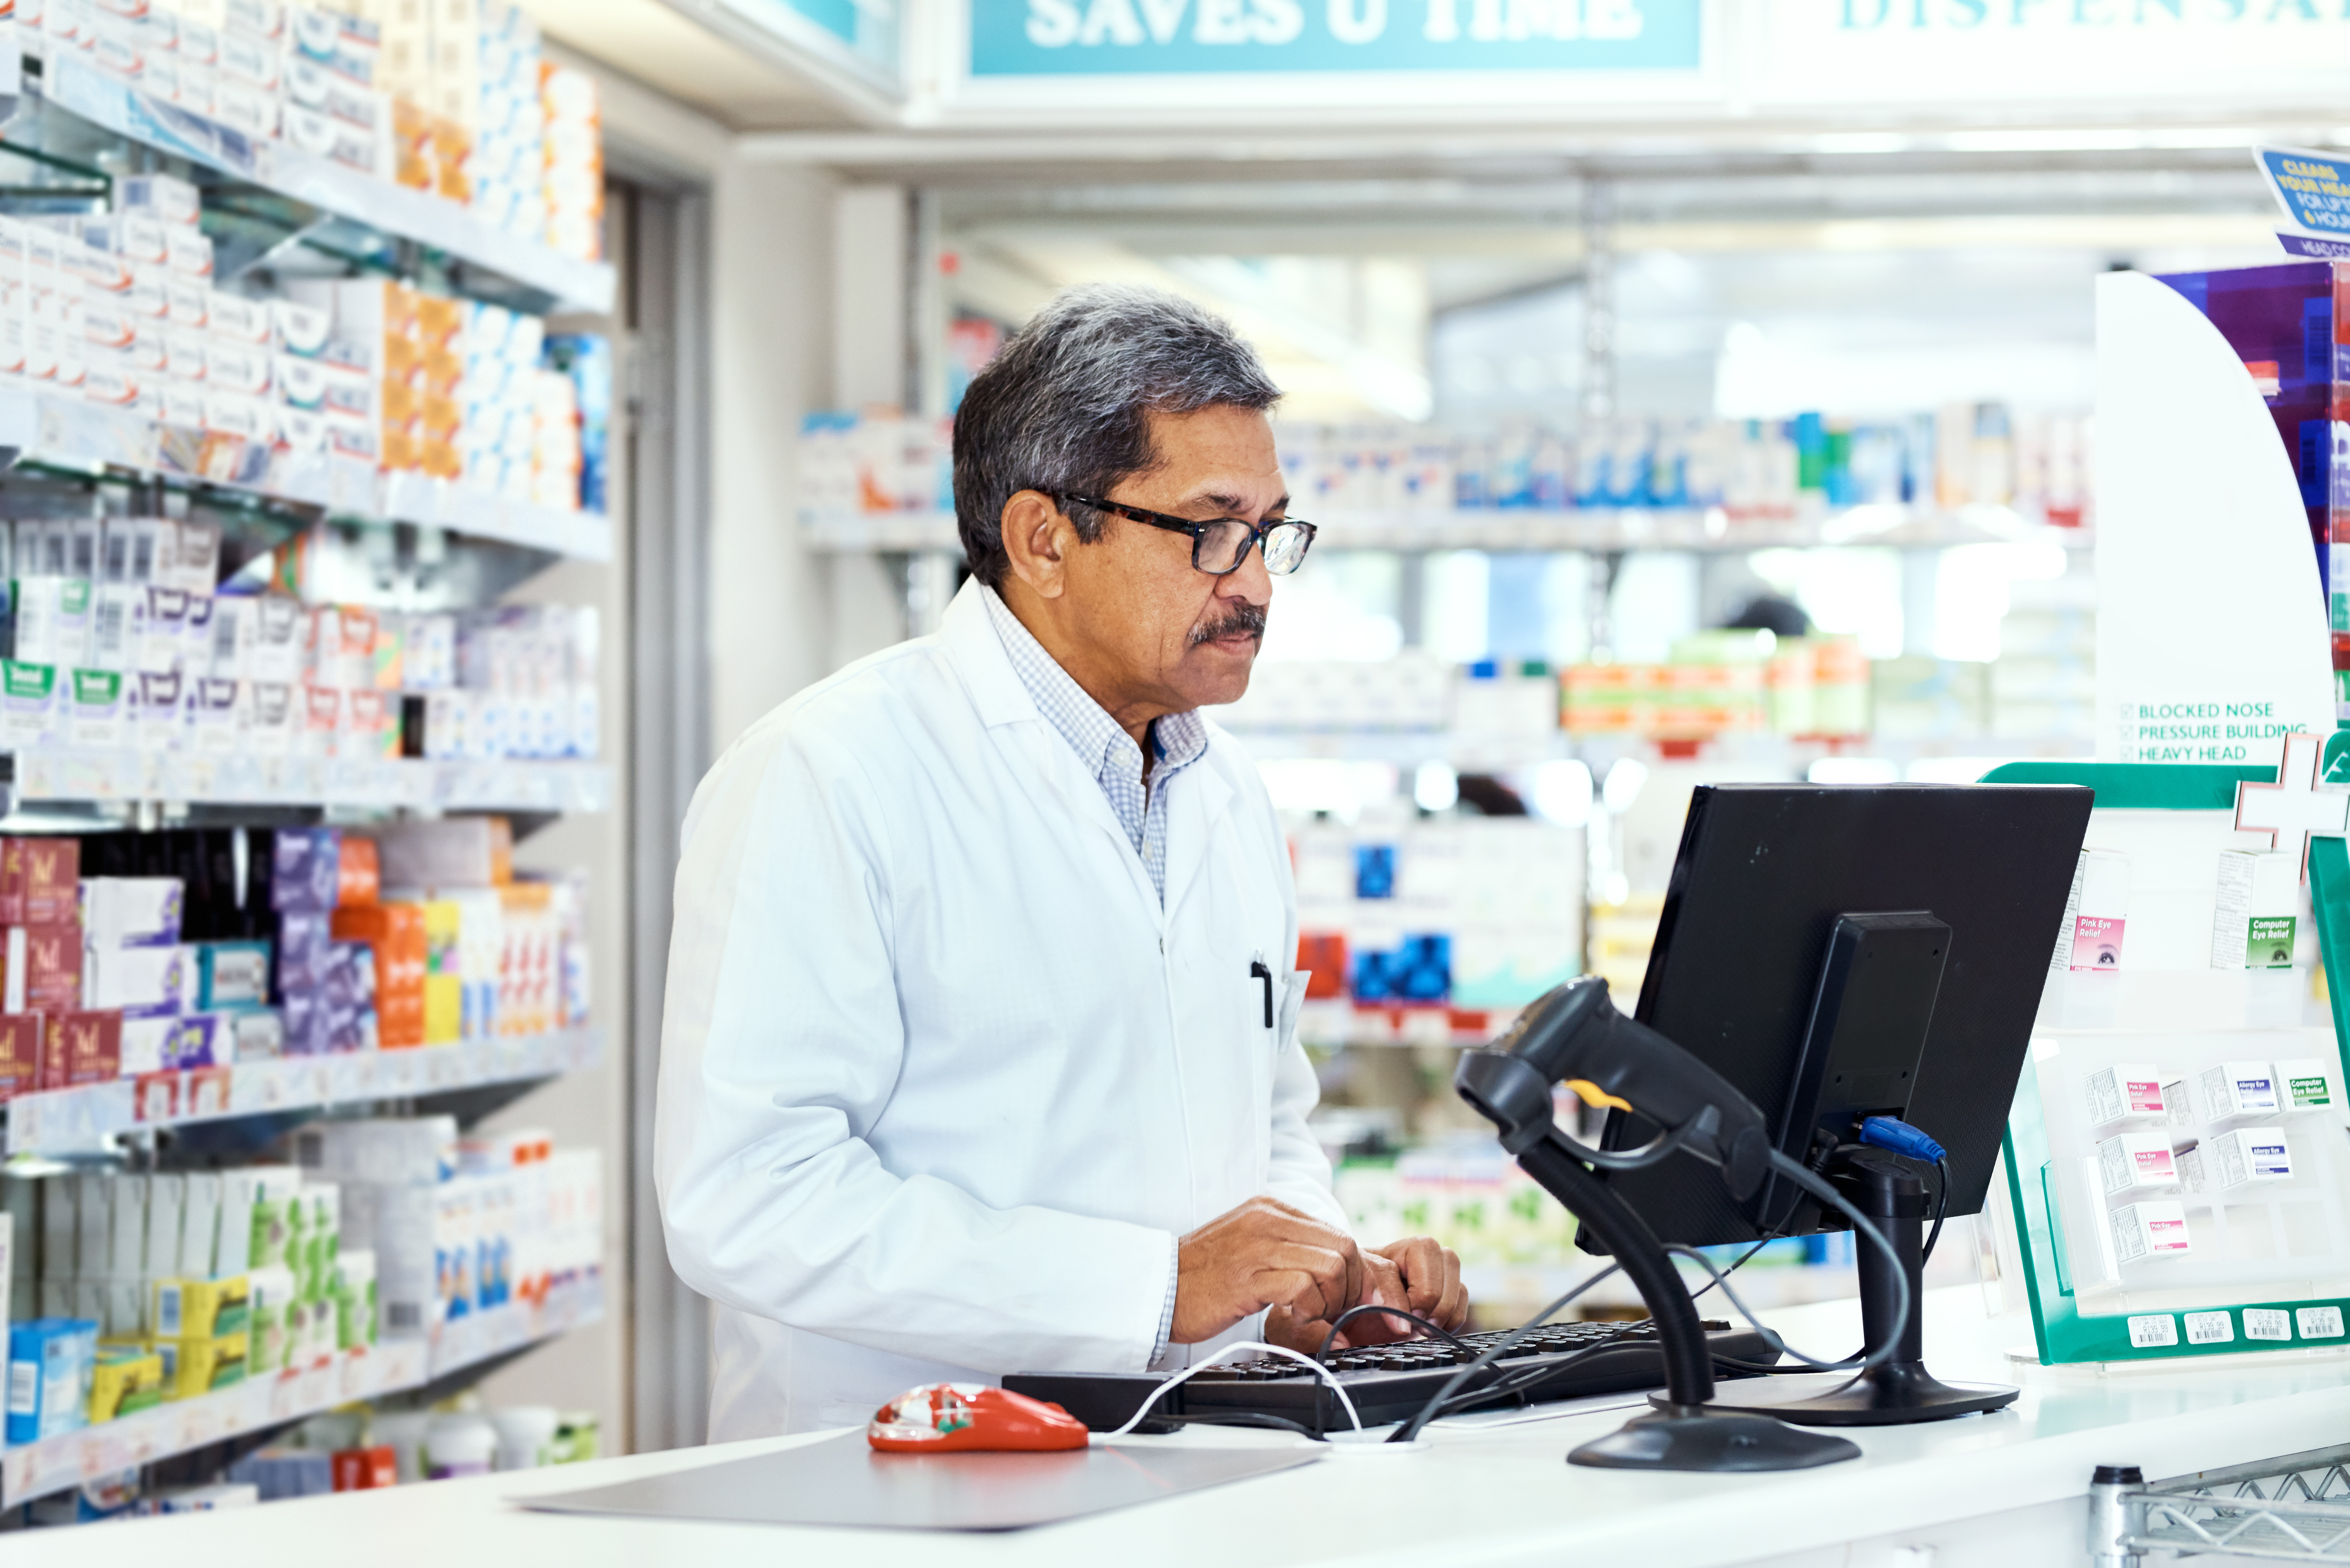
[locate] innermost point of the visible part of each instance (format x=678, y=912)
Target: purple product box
x=306, y=869
x=205, y=1040
x=305, y=948
x=305, y=1012
x=351, y=1029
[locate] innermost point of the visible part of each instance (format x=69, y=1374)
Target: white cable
x=1143, y=1411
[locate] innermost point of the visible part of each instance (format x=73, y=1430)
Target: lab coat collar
x=995, y=687
x=1002, y=698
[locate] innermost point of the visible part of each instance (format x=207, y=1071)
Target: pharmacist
x=980, y=1050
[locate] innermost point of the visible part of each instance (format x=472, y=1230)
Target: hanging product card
x=2314, y=190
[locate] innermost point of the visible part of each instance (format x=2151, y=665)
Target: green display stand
x=2062, y=1332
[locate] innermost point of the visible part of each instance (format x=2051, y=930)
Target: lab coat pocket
x=1293, y=997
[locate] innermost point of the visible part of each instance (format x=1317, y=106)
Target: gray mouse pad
x=844, y=1483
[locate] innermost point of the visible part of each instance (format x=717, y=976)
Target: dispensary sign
x=1092, y=37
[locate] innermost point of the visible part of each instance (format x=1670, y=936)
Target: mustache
x=1243, y=617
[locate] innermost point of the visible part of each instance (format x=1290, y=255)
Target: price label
x=2149, y=1332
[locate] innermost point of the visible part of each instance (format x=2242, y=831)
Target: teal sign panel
x=1124, y=38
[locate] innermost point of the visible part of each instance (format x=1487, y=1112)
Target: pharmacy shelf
x=115, y=107
x=1512, y=528
x=64, y=431
x=86, y=1120
x=71, y=1459
x=1470, y=752
x=379, y=784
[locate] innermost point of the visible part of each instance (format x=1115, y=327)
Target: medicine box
x=2150, y=1230
x=2256, y=917
x=127, y=1378
x=2132, y=1160
x=50, y=1361
x=2235, y=1090
x=2248, y=1157
x=2304, y=1084
x=2127, y=1092
x=131, y=912
x=202, y=1309
x=204, y=1365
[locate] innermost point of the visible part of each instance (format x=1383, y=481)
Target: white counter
x=2001, y=1490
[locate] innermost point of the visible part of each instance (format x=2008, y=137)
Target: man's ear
x=1038, y=537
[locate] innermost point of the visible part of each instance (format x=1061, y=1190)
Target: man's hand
x=1262, y=1254
x=1415, y=1274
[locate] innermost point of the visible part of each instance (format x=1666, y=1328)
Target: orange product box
x=402, y=449
x=43, y=968
x=81, y=1048
x=440, y=323
x=20, y=1054
x=395, y=932
x=370, y=724
x=40, y=881
x=453, y=147
x=403, y=364
x=1324, y=954
x=363, y=1469
x=439, y=456
x=360, y=880
x=444, y=418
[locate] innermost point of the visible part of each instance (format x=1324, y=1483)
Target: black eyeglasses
x=1220, y=544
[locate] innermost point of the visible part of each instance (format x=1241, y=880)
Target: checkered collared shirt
x=1109, y=753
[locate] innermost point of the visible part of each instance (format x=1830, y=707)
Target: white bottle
x=457, y=1446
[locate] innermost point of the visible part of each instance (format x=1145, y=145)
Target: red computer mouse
x=968, y=1418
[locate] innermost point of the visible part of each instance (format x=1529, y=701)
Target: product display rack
x=1530, y=528
x=336, y=783
x=88, y=1120
x=65, y=433
x=70, y=107
x=279, y=1400
x=275, y=213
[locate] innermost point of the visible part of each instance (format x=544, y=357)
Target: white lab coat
x=940, y=1080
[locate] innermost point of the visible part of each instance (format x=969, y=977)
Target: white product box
x=2133, y=1161
x=147, y=982
x=2248, y=1157
x=2306, y=1084
x=2127, y=1092
x=2150, y=1230
x=2235, y=1090
x=131, y=912
x=147, y=1044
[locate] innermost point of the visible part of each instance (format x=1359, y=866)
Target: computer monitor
x=1764, y=874
x=1839, y=951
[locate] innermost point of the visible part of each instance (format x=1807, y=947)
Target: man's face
x=1173, y=634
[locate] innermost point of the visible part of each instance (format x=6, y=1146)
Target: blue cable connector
x=1893, y=1134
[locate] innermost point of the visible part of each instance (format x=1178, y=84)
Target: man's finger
x=1312, y=1280
x=1453, y=1310
x=1421, y=1262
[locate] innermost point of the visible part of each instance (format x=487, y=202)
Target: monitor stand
x=1901, y=1390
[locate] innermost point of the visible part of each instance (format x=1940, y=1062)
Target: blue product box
x=306, y=869
x=50, y=1361
x=232, y=976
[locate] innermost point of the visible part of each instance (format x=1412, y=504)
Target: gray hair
x=1063, y=407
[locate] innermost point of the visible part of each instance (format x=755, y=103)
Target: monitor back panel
x=1763, y=873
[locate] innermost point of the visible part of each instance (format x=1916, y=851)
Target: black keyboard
x=1391, y=1382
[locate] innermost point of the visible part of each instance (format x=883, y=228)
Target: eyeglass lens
x=1222, y=546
